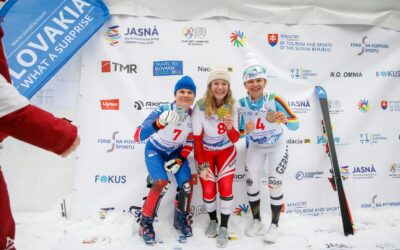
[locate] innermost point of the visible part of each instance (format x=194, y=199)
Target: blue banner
x=40, y=36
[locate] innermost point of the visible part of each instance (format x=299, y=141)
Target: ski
x=344, y=207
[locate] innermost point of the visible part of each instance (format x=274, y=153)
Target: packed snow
x=375, y=229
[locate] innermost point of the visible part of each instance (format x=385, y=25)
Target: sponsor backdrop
x=131, y=66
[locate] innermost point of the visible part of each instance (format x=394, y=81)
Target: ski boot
x=147, y=231
x=182, y=222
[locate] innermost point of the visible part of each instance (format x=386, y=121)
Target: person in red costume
x=215, y=130
x=25, y=122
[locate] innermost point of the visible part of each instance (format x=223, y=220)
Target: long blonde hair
x=210, y=105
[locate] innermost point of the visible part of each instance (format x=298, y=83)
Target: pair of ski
x=336, y=179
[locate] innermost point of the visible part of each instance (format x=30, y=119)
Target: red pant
x=223, y=161
x=7, y=225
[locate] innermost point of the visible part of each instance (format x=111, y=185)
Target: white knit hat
x=219, y=72
x=253, y=68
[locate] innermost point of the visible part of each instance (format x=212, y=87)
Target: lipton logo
x=111, y=104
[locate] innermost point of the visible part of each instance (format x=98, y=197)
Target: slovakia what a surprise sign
x=41, y=36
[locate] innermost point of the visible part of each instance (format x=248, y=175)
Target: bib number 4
x=259, y=124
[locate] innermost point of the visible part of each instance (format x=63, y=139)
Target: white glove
x=173, y=165
x=167, y=117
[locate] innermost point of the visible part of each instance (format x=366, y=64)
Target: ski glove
x=173, y=165
x=167, y=117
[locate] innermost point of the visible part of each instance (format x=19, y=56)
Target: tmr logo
x=109, y=66
x=111, y=104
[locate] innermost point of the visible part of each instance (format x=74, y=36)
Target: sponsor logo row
x=301, y=207
x=297, y=106
x=175, y=67
x=114, y=142
x=354, y=172
x=198, y=36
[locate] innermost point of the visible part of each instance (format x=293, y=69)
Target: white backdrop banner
x=131, y=65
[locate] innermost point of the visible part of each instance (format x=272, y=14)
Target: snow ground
x=375, y=229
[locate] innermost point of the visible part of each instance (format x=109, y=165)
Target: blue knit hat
x=185, y=82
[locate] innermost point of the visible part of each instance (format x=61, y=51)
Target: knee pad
x=185, y=195
x=187, y=187
x=156, y=193
x=160, y=186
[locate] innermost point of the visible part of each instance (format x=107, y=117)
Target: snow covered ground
x=375, y=229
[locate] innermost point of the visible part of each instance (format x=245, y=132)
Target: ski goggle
x=254, y=72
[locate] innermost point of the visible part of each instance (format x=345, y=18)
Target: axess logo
x=110, y=179
x=109, y=66
x=110, y=104
x=140, y=105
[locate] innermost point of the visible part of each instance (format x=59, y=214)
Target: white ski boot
x=272, y=234
x=256, y=228
x=211, y=230
x=222, y=240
